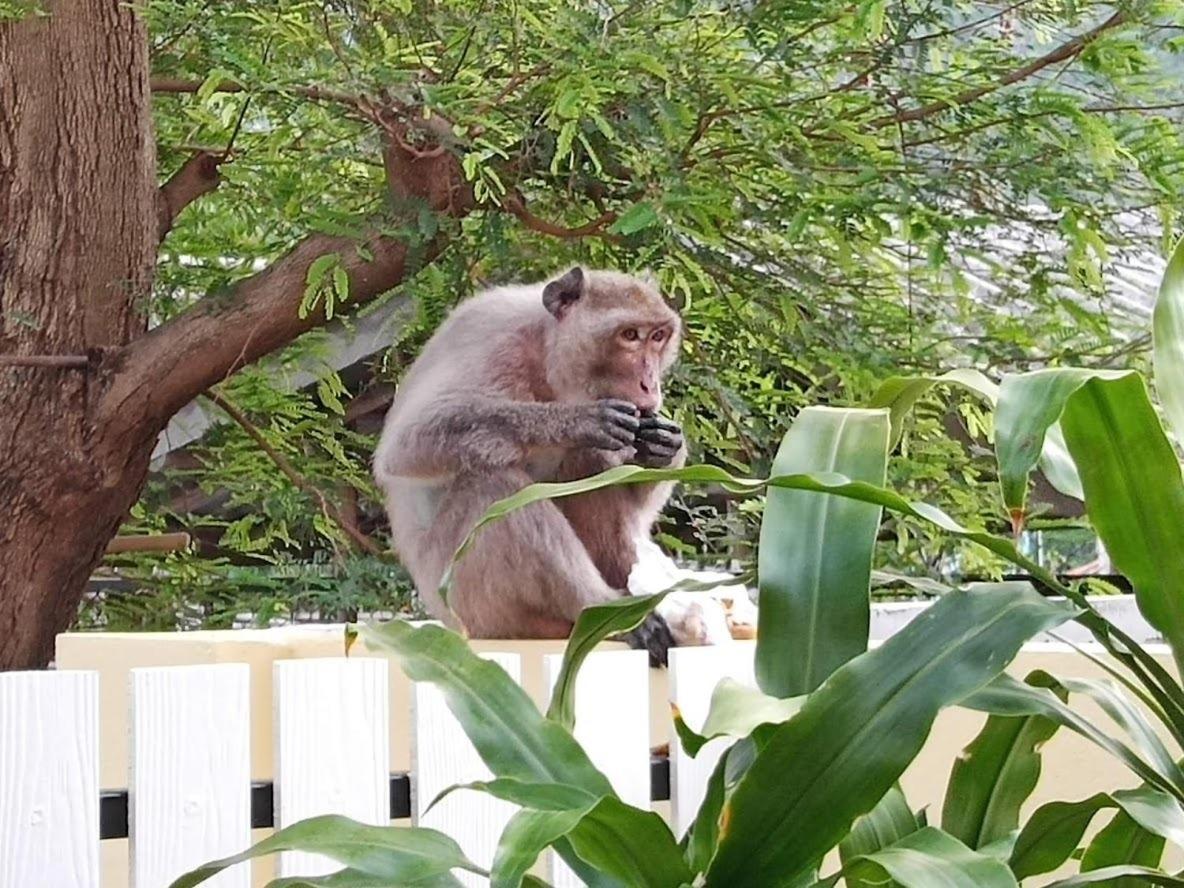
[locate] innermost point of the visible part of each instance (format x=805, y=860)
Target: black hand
x=654, y=636
x=608, y=425
x=658, y=441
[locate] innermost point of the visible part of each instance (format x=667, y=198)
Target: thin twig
x=289, y=471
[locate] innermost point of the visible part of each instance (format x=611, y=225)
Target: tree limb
x=1066, y=50
x=301, y=483
x=595, y=228
x=197, y=176
x=162, y=371
x=175, y=85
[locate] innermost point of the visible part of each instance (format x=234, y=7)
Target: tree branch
x=1066, y=50
x=165, y=369
x=178, y=85
x=197, y=176
x=301, y=483
x=595, y=228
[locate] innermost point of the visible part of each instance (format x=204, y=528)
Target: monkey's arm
x=487, y=433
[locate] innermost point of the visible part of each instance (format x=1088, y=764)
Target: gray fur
x=525, y=384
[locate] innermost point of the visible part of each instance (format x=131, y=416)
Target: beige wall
x=1073, y=768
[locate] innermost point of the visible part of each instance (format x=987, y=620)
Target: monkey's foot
x=654, y=636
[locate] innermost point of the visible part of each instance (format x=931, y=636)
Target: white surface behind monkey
x=695, y=618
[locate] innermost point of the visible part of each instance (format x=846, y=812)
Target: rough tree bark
x=80, y=219
x=77, y=243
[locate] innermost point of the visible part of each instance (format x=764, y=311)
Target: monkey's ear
x=562, y=293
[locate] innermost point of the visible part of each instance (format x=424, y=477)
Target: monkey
x=546, y=382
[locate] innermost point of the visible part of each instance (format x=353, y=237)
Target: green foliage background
x=835, y=191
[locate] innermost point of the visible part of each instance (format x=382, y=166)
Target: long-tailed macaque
x=523, y=384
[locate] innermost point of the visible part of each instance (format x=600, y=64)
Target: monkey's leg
x=526, y=575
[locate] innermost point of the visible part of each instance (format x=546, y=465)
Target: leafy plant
x=818, y=765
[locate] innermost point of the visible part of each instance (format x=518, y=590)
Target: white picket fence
x=189, y=776
x=189, y=789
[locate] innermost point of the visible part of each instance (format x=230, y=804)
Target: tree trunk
x=78, y=227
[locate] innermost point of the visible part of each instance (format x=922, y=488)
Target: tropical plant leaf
x=1167, y=336
x=993, y=777
x=1140, y=874
x=509, y=733
x=351, y=878
x=595, y=624
x=1029, y=405
x=1122, y=841
x=890, y=821
x=815, y=555
x=809, y=782
x=1052, y=834
x=1008, y=696
x=527, y=834
x=736, y=710
x=400, y=855
x=1134, y=494
x=929, y=858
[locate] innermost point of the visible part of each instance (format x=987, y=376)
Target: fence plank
x=332, y=744
x=694, y=673
x=49, y=779
x=190, y=780
x=442, y=755
x=613, y=726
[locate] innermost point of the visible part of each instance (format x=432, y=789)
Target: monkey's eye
x=630, y=334
x=658, y=335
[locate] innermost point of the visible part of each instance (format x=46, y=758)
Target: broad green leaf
x=890, y=821
x=1122, y=841
x=509, y=733
x=736, y=710
x=595, y=624
x=633, y=846
x=1140, y=874
x=1134, y=494
x=815, y=556
x=901, y=393
x=399, y=854
x=930, y=858
x=1029, y=405
x=1155, y=811
x=526, y=835
x=993, y=777
x=537, y=796
x=1052, y=833
x=1009, y=696
x=351, y=878
x=1167, y=333
x=813, y=778
x=637, y=217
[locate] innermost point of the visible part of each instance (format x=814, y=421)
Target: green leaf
x=1008, y=696
x=815, y=554
x=1122, y=841
x=812, y=779
x=1140, y=874
x=509, y=733
x=398, y=854
x=351, y=878
x=1051, y=835
x=703, y=835
x=1029, y=404
x=1134, y=494
x=890, y=821
x=631, y=845
x=930, y=858
x=639, y=216
x=536, y=796
x=1167, y=332
x=901, y=393
x=595, y=624
x=525, y=837
x=993, y=777
x=736, y=710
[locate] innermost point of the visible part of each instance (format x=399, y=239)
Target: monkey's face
x=614, y=337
